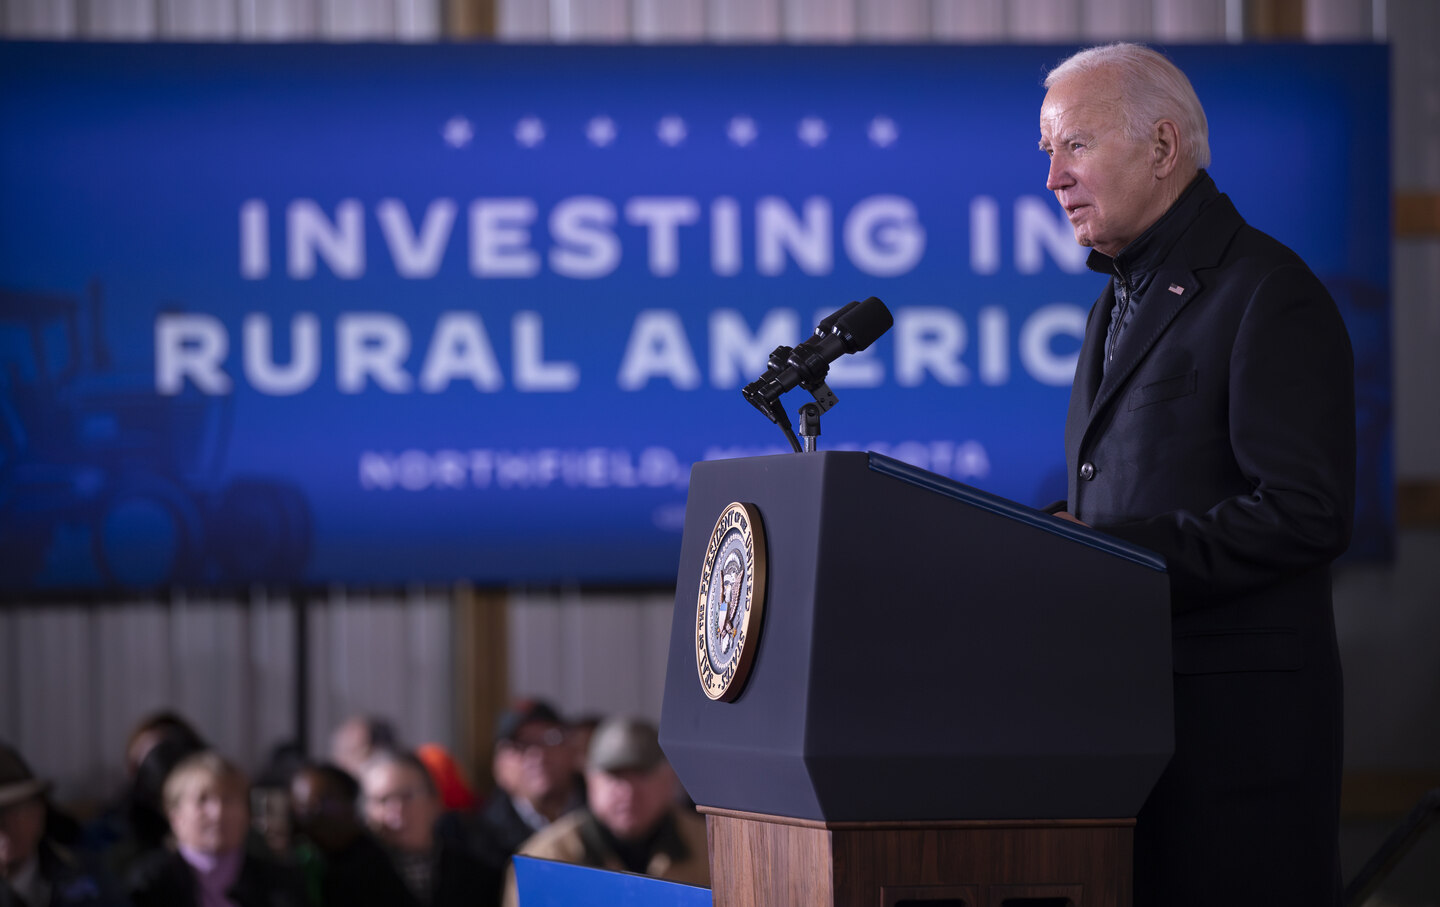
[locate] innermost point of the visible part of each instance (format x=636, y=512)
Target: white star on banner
x=883, y=132
x=671, y=130
x=457, y=132
x=601, y=131
x=530, y=132
x=742, y=130
x=813, y=131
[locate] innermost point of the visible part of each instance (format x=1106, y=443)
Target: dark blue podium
x=954, y=698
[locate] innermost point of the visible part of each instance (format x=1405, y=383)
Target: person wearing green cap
x=632, y=820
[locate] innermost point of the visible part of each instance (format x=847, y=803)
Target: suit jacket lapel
x=1089, y=367
x=1175, y=285
x=1095, y=388
x=1170, y=291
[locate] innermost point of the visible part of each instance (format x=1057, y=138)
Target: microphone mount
x=850, y=329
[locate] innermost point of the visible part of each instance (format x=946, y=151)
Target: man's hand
x=1067, y=515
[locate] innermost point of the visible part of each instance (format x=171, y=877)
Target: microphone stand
x=764, y=393
x=810, y=425
x=850, y=329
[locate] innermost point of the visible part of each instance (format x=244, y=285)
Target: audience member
x=402, y=808
x=632, y=822
x=359, y=738
x=270, y=796
x=137, y=826
x=153, y=728
x=455, y=792
x=206, y=803
x=35, y=870
x=343, y=865
x=535, y=781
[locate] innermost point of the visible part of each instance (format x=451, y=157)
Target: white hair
x=1153, y=89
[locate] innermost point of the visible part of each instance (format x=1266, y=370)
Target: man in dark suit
x=1212, y=421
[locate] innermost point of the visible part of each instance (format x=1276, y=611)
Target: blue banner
x=545, y=883
x=378, y=314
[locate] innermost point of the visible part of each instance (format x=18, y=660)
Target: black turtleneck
x=1132, y=269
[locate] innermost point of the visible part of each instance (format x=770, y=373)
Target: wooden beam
x=481, y=677
x=1417, y=214
x=1417, y=504
x=1384, y=794
x=1275, y=20
x=470, y=20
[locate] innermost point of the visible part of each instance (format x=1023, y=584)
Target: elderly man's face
x=22, y=825
x=399, y=806
x=632, y=802
x=1105, y=181
x=542, y=764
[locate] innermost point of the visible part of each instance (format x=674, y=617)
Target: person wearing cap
x=632, y=821
x=35, y=871
x=535, y=782
x=456, y=794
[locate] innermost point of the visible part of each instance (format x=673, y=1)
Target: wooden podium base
x=773, y=861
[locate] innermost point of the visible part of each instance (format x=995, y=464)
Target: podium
x=954, y=699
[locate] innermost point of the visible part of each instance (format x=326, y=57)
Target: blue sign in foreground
x=384, y=314
x=543, y=883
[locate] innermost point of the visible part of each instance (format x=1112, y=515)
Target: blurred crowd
x=375, y=823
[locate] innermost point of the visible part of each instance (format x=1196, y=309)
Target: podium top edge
x=984, y=500
x=915, y=824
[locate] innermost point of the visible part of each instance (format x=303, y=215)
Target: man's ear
x=1166, y=145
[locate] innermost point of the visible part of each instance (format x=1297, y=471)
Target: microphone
x=849, y=329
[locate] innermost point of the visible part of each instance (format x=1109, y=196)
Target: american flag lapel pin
x=1177, y=289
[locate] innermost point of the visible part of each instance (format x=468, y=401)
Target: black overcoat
x=1223, y=438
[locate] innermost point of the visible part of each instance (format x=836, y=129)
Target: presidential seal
x=732, y=601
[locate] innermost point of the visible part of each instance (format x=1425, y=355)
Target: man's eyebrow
x=1075, y=135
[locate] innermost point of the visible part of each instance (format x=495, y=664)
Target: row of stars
x=672, y=131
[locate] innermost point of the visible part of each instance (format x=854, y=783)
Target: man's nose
x=1058, y=176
